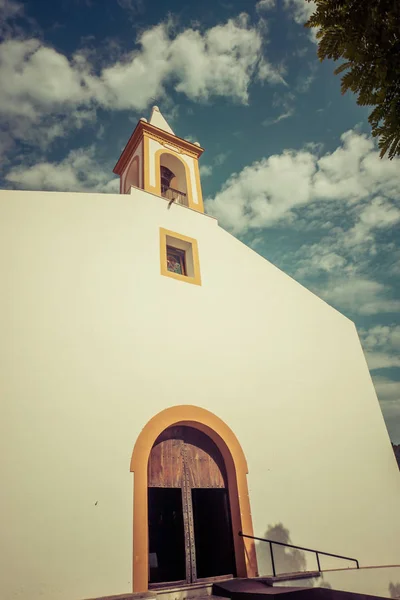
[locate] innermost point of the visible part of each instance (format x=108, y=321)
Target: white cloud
x=281, y=117
x=343, y=173
x=221, y=61
x=264, y=5
x=381, y=335
x=43, y=95
x=39, y=82
x=262, y=194
x=344, y=251
x=42, y=133
x=6, y=144
x=190, y=137
x=270, y=73
x=360, y=295
x=381, y=360
x=10, y=9
x=36, y=79
x=285, y=102
x=317, y=258
x=304, y=81
x=217, y=161
x=134, y=7
x=220, y=158
x=381, y=213
x=206, y=170
x=388, y=392
x=381, y=344
x=78, y=172
x=347, y=196
x=301, y=11
x=387, y=389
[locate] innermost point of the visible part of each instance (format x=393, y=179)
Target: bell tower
x=157, y=161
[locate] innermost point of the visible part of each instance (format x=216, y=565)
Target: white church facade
x=165, y=389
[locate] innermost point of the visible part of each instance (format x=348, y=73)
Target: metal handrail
x=317, y=552
x=173, y=194
x=167, y=187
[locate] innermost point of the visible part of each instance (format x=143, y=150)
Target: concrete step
x=279, y=579
x=128, y=596
x=258, y=589
x=193, y=591
x=246, y=589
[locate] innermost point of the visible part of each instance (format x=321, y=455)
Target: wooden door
x=189, y=512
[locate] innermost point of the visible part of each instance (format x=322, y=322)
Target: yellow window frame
x=181, y=242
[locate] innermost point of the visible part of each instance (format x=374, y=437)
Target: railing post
x=319, y=566
x=317, y=552
x=272, y=559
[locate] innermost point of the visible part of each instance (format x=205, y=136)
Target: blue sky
x=289, y=167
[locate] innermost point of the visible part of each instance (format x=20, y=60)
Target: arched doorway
x=236, y=467
x=190, y=525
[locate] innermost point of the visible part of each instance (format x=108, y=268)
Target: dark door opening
x=212, y=533
x=166, y=535
x=190, y=530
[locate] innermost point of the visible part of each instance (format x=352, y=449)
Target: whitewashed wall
x=94, y=342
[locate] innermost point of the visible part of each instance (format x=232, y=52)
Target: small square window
x=179, y=257
x=176, y=260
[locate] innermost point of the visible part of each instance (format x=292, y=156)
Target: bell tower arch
x=157, y=161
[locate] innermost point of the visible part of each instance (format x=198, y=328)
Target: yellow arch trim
x=189, y=182
x=236, y=466
x=198, y=184
x=146, y=166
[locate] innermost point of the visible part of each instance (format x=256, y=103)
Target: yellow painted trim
x=146, y=165
x=146, y=129
x=171, y=139
x=142, y=163
x=196, y=279
x=236, y=467
x=198, y=186
x=171, y=146
x=145, y=132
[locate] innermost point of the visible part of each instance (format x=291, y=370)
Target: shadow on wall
x=287, y=560
x=251, y=558
x=394, y=590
